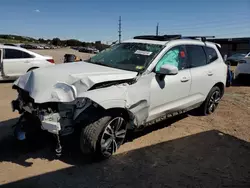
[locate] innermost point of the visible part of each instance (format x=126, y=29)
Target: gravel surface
x=187, y=151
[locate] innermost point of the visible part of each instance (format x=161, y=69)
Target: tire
x=211, y=102
x=100, y=134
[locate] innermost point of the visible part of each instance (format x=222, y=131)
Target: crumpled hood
x=41, y=82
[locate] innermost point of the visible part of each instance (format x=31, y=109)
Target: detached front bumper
x=50, y=122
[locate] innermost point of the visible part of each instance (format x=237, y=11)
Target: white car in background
x=16, y=61
x=243, y=67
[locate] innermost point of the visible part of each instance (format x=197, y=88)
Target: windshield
x=127, y=56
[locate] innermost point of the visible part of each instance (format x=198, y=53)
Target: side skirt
x=170, y=115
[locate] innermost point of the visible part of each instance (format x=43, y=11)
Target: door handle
x=184, y=79
x=210, y=73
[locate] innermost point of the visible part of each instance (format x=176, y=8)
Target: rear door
x=203, y=71
x=16, y=62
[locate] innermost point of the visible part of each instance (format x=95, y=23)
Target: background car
x=28, y=46
x=16, y=61
x=235, y=58
x=243, y=69
x=89, y=50
x=7, y=44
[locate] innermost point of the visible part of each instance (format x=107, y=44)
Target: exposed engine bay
x=55, y=117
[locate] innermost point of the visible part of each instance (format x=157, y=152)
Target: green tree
x=56, y=41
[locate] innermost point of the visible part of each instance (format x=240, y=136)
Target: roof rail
x=203, y=38
x=158, y=37
x=171, y=37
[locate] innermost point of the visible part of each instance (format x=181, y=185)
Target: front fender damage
x=132, y=95
x=135, y=98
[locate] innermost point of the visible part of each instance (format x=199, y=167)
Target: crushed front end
x=54, y=117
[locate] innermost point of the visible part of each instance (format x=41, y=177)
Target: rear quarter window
x=196, y=55
x=211, y=54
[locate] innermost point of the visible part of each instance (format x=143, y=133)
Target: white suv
x=16, y=61
x=128, y=86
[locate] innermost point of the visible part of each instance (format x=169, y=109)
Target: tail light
x=51, y=60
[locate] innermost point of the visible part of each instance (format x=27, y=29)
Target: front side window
x=197, y=56
x=15, y=54
x=211, y=54
x=175, y=56
x=12, y=54
x=127, y=56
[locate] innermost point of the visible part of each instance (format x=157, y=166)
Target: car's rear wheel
x=212, y=101
x=103, y=137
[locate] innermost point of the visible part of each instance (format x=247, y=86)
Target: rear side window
x=15, y=54
x=196, y=55
x=211, y=54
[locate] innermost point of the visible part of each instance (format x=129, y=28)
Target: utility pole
x=157, y=29
x=120, y=27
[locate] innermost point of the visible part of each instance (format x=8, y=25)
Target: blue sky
x=91, y=20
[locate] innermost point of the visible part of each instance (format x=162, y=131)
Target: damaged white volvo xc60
x=127, y=86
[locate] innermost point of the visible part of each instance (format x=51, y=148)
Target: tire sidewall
x=98, y=144
x=206, y=103
x=92, y=146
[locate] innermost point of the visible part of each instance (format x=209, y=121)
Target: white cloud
x=37, y=10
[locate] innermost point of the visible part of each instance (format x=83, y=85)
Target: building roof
x=243, y=39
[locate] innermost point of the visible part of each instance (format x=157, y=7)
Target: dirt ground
x=187, y=151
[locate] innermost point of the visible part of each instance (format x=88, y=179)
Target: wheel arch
x=32, y=68
x=119, y=110
x=221, y=86
x=92, y=113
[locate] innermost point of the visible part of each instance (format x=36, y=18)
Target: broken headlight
x=64, y=92
x=80, y=103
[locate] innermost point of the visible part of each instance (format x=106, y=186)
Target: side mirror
x=168, y=70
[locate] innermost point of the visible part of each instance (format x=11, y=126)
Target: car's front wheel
x=212, y=101
x=103, y=137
